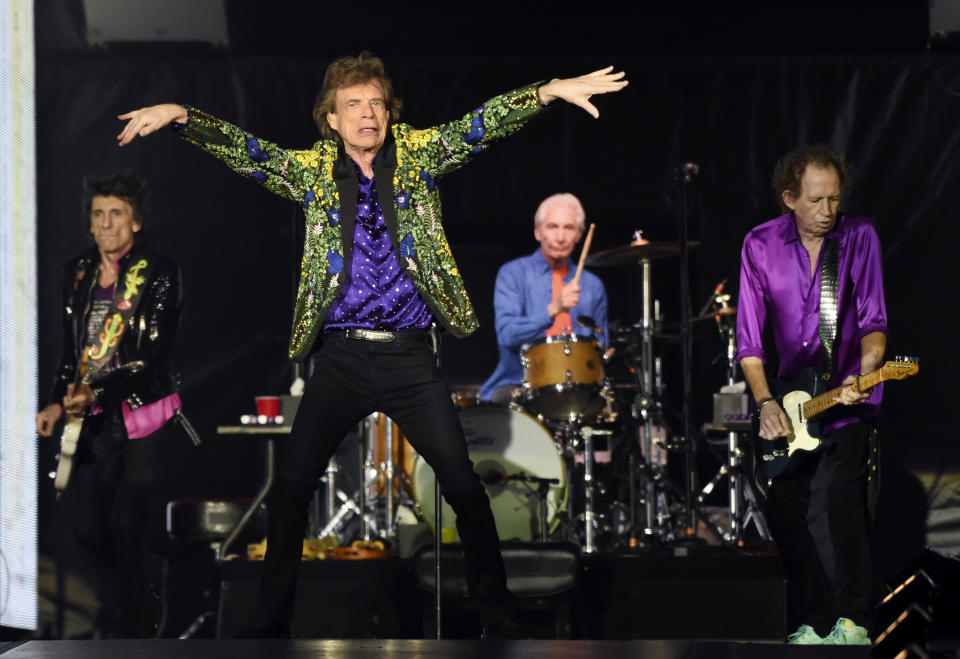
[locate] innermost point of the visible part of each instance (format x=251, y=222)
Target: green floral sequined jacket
x=323, y=180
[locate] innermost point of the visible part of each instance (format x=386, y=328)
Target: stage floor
x=276, y=649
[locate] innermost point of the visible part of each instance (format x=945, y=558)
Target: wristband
x=761, y=403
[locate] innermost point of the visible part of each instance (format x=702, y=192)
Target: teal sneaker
x=805, y=635
x=847, y=632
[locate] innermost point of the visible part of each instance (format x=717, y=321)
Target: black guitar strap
x=828, y=305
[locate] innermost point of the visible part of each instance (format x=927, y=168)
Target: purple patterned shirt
x=775, y=284
x=376, y=294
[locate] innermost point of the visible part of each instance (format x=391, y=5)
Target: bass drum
x=503, y=441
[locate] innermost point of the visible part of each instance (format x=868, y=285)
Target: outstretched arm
x=579, y=90
x=144, y=121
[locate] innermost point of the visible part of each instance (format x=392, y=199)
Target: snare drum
x=563, y=376
x=503, y=440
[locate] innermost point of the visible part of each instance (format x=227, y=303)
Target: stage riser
x=684, y=597
x=696, y=597
x=335, y=599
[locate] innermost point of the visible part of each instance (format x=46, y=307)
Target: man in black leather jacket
x=121, y=313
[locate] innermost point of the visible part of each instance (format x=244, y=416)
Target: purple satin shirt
x=377, y=293
x=775, y=285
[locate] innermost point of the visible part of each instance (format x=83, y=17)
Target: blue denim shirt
x=524, y=289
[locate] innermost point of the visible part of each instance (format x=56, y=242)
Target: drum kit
x=578, y=455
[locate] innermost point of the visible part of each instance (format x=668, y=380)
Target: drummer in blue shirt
x=536, y=295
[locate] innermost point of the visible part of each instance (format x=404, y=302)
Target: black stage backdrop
x=894, y=116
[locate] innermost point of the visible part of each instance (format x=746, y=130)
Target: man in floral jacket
x=377, y=271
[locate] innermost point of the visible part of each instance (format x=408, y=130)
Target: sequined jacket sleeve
x=451, y=145
x=286, y=172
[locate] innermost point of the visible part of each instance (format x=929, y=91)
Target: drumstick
x=583, y=253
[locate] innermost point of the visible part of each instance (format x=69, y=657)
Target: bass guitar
x=802, y=401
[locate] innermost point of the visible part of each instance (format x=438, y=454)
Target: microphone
x=713, y=296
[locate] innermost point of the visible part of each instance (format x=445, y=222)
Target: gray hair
x=558, y=199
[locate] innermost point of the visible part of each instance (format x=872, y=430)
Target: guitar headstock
x=901, y=367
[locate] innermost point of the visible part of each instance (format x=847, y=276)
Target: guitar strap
x=828, y=305
x=103, y=347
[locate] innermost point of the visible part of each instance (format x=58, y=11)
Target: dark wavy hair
x=789, y=169
x=123, y=184
x=346, y=72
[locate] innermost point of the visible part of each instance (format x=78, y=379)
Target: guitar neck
x=825, y=401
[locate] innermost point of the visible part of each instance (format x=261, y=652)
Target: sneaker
x=805, y=635
x=847, y=632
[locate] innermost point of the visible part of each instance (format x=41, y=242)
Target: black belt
x=408, y=335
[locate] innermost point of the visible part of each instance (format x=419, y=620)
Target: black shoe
x=499, y=619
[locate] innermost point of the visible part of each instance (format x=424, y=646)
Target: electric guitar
x=70, y=436
x=802, y=401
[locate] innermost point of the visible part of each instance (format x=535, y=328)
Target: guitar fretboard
x=825, y=401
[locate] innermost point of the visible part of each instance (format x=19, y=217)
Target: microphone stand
x=685, y=176
x=543, y=490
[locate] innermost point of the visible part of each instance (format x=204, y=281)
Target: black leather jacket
x=143, y=373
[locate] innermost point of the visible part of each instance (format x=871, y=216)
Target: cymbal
x=633, y=253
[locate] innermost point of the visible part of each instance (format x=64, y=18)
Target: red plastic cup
x=268, y=406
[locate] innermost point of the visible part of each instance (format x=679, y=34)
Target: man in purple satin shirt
x=780, y=285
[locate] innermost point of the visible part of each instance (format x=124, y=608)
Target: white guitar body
x=68, y=448
x=800, y=438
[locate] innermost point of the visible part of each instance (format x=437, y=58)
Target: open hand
x=579, y=90
x=148, y=120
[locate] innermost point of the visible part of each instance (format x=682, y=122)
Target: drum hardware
x=743, y=504
x=658, y=491
x=382, y=485
x=589, y=491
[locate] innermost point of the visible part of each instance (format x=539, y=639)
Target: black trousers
x=111, y=487
x=815, y=599
x=354, y=378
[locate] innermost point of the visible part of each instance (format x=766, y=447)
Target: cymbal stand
x=646, y=373
x=653, y=478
